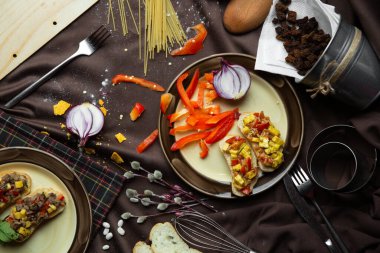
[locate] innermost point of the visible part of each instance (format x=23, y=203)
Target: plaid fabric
x=102, y=184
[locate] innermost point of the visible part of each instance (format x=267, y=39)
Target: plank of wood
x=25, y=26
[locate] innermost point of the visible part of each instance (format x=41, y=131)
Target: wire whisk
x=203, y=232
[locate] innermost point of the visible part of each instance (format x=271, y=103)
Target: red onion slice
x=232, y=81
x=85, y=120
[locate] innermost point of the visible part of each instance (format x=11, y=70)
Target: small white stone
x=106, y=231
x=105, y=247
x=109, y=236
x=106, y=225
x=121, y=231
x=120, y=223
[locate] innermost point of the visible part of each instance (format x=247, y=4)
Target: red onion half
x=85, y=120
x=232, y=81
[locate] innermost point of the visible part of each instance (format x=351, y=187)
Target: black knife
x=306, y=213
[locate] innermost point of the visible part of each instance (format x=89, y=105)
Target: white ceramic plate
x=270, y=93
x=60, y=233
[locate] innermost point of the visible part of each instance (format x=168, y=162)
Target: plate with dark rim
x=70, y=231
x=270, y=93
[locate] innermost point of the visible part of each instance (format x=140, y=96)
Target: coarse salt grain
x=106, y=231
x=109, y=236
x=120, y=223
x=106, y=224
x=105, y=247
x=121, y=231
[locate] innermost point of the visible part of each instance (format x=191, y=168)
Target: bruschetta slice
x=13, y=186
x=242, y=164
x=29, y=213
x=264, y=138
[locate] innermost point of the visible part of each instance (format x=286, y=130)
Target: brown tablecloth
x=267, y=222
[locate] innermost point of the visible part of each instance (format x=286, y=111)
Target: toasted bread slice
x=242, y=164
x=13, y=186
x=33, y=210
x=165, y=239
x=142, y=247
x=265, y=161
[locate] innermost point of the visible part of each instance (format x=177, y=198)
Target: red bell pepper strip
x=221, y=130
x=137, y=80
x=166, y=98
x=193, y=84
x=193, y=45
x=182, y=93
x=204, y=149
x=136, y=111
x=147, y=141
x=188, y=139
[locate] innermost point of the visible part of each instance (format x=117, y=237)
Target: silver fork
x=306, y=188
x=86, y=47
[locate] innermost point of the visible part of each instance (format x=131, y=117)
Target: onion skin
x=232, y=81
x=84, y=120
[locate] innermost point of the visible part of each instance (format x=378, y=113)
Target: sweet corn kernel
x=53, y=207
x=239, y=180
x=28, y=224
x=23, y=212
x=273, y=130
x=22, y=231
x=236, y=167
x=9, y=186
x=17, y=215
x=19, y=184
x=248, y=119
x=250, y=174
x=245, y=130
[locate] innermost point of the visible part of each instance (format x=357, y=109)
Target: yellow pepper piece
x=117, y=158
x=104, y=110
x=61, y=107
x=120, y=137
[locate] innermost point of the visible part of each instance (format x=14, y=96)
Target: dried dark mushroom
x=302, y=39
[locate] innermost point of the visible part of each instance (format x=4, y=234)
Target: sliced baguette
x=165, y=239
x=142, y=247
x=227, y=157
x=254, y=145
x=23, y=192
x=52, y=196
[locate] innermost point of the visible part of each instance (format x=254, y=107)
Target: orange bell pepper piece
x=204, y=149
x=215, y=119
x=188, y=139
x=193, y=45
x=166, y=98
x=136, y=111
x=182, y=93
x=147, y=141
x=182, y=128
x=177, y=116
x=137, y=80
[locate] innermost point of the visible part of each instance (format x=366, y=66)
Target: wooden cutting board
x=26, y=25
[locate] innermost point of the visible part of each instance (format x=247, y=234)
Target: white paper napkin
x=271, y=52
